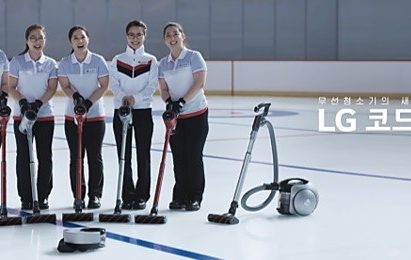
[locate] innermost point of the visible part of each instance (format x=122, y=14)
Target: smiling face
x=174, y=38
x=36, y=41
x=79, y=41
x=136, y=37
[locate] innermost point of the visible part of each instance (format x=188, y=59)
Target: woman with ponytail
x=83, y=77
x=32, y=83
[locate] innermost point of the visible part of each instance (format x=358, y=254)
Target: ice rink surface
x=362, y=177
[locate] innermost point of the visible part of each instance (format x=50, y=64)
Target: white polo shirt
x=83, y=77
x=32, y=82
x=4, y=64
x=178, y=74
x=134, y=73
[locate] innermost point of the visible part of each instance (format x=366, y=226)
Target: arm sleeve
x=114, y=80
x=53, y=71
x=152, y=84
x=197, y=62
x=61, y=71
x=102, y=68
x=160, y=70
x=6, y=62
x=14, y=68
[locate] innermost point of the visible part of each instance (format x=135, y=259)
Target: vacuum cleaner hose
x=273, y=186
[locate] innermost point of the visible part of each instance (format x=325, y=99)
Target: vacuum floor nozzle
x=114, y=218
x=77, y=217
x=10, y=221
x=227, y=218
x=150, y=219
x=40, y=218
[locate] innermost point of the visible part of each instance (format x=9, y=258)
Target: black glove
x=88, y=104
x=3, y=99
x=77, y=98
x=169, y=104
x=36, y=105
x=178, y=105
x=24, y=105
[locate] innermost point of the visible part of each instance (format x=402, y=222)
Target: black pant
x=143, y=132
x=43, y=135
x=92, y=140
x=187, y=146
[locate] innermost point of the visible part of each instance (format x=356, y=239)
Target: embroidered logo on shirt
x=91, y=70
x=131, y=71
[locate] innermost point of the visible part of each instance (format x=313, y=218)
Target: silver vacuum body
x=297, y=197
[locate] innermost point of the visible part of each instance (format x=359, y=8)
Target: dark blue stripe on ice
x=315, y=169
x=131, y=240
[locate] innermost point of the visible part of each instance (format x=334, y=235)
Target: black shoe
x=139, y=204
x=127, y=205
x=26, y=205
x=44, y=204
x=176, y=204
x=193, y=205
x=94, y=203
x=83, y=204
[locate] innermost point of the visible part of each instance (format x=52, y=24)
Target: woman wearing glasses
x=33, y=82
x=134, y=81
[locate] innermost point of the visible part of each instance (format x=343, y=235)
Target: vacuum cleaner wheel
x=305, y=202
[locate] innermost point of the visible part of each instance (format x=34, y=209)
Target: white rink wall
x=308, y=77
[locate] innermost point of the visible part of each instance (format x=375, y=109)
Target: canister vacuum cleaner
x=297, y=196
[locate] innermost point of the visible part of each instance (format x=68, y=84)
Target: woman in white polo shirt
x=83, y=75
x=33, y=82
x=134, y=79
x=4, y=75
x=4, y=79
x=182, y=76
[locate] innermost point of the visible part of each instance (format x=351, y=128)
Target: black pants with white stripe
x=43, y=132
x=143, y=132
x=93, y=135
x=187, y=146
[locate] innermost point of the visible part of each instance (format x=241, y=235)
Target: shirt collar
x=132, y=52
x=28, y=58
x=180, y=57
x=86, y=60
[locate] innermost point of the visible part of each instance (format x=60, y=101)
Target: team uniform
x=192, y=124
x=32, y=82
x=4, y=68
x=135, y=73
x=4, y=63
x=83, y=78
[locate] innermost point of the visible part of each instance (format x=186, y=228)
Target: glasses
x=134, y=35
x=34, y=39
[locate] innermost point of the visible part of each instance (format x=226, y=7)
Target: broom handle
x=162, y=167
x=79, y=164
x=3, y=124
x=33, y=177
x=122, y=160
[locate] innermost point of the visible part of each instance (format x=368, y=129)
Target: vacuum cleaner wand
x=125, y=115
x=5, y=220
x=170, y=121
x=259, y=120
x=80, y=111
x=26, y=127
